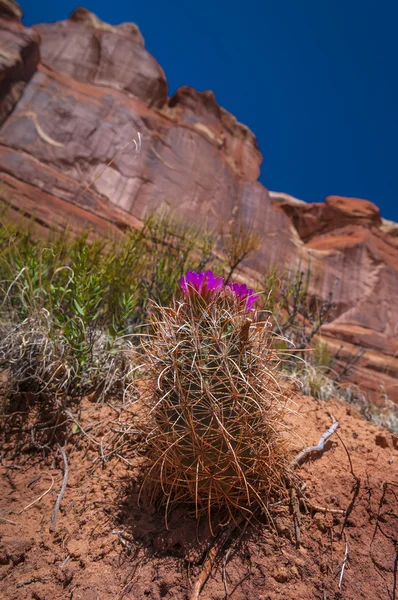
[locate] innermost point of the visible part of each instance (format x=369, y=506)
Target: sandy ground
x=105, y=546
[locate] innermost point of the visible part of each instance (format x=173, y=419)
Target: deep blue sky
x=315, y=80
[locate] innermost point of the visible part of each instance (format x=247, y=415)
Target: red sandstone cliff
x=74, y=93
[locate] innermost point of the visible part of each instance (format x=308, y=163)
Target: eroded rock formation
x=19, y=56
x=74, y=94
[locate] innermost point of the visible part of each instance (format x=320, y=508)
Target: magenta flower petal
x=193, y=279
x=250, y=301
x=208, y=285
x=244, y=294
x=201, y=283
x=213, y=283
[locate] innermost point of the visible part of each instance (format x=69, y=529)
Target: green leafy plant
x=70, y=308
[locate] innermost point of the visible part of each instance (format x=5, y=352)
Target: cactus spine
x=215, y=402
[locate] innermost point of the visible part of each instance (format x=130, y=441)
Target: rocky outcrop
x=200, y=111
x=352, y=251
x=94, y=140
x=19, y=56
x=10, y=10
x=86, y=49
x=312, y=220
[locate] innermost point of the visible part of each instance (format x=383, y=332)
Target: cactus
x=215, y=403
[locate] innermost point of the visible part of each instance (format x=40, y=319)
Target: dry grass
x=41, y=360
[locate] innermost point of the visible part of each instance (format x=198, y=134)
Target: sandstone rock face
x=10, y=10
x=86, y=49
x=352, y=251
x=201, y=112
x=343, y=238
x=311, y=220
x=19, y=56
x=95, y=141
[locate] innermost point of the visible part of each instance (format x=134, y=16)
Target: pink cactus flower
x=201, y=283
x=244, y=294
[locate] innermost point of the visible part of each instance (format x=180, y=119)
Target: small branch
x=123, y=539
x=33, y=580
x=350, y=362
x=61, y=493
x=324, y=509
x=104, y=458
x=319, y=448
x=240, y=582
x=295, y=511
x=355, y=489
x=210, y=561
x=227, y=555
x=385, y=484
x=65, y=561
x=40, y=497
x=8, y=521
x=343, y=565
x=205, y=572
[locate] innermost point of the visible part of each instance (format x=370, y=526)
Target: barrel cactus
x=215, y=402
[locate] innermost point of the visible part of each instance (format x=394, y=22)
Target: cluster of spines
x=216, y=404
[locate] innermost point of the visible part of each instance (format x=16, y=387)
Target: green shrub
x=70, y=308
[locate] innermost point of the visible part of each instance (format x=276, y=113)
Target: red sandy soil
x=104, y=546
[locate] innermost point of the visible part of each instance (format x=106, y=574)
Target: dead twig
x=240, y=582
x=319, y=448
x=210, y=561
x=385, y=486
x=294, y=503
x=324, y=509
x=227, y=555
x=295, y=511
x=355, y=489
x=379, y=518
x=8, y=521
x=65, y=561
x=62, y=491
x=40, y=497
x=123, y=539
x=126, y=589
x=33, y=580
x=343, y=566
